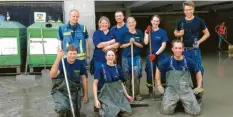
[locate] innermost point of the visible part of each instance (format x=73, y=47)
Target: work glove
x=161, y=89
x=148, y=29
x=152, y=57
x=198, y=90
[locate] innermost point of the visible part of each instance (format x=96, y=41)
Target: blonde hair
x=103, y=18
x=131, y=18
x=188, y=3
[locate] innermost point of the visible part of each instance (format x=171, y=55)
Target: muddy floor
x=37, y=101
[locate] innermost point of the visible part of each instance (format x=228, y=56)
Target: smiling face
x=110, y=56
x=188, y=11
x=119, y=17
x=104, y=24
x=177, y=49
x=155, y=22
x=74, y=17
x=131, y=23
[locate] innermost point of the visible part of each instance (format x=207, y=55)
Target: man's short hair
x=71, y=48
x=119, y=12
x=177, y=41
x=75, y=9
x=188, y=3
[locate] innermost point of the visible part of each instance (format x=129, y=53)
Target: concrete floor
x=37, y=101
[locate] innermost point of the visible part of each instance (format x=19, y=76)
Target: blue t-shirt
x=99, y=37
x=119, y=32
x=192, y=29
x=165, y=65
x=74, y=71
x=138, y=37
x=113, y=73
x=157, y=37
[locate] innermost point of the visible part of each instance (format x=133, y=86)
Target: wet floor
x=37, y=101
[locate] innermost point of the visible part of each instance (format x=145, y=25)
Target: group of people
x=117, y=61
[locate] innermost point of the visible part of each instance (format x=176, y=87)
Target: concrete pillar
x=87, y=15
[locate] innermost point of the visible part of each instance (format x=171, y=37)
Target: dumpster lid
x=11, y=24
x=45, y=25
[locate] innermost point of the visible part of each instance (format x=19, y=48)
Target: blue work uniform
x=126, y=54
x=111, y=73
x=59, y=90
x=157, y=38
x=99, y=54
x=192, y=30
x=118, y=34
x=111, y=93
x=74, y=35
x=126, y=61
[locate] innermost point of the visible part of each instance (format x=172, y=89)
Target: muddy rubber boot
x=138, y=97
x=150, y=94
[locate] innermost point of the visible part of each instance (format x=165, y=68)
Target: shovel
x=25, y=80
x=44, y=72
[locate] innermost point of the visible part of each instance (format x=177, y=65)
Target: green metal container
x=12, y=44
x=49, y=34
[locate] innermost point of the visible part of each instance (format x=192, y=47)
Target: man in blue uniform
x=179, y=82
x=75, y=70
x=190, y=28
x=74, y=33
x=119, y=30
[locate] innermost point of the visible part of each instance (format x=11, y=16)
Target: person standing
x=158, y=39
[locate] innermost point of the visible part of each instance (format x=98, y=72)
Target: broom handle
x=132, y=70
x=224, y=39
x=182, y=27
x=151, y=65
x=42, y=37
x=67, y=84
x=27, y=56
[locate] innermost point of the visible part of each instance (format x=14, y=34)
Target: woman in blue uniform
x=158, y=42
x=133, y=37
x=112, y=98
x=103, y=40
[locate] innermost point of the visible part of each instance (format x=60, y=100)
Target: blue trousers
x=148, y=69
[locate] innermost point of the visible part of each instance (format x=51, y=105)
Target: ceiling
x=160, y=6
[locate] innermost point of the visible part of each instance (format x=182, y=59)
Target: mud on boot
x=139, y=98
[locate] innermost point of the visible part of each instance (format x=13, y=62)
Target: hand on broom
x=148, y=29
x=129, y=98
x=152, y=57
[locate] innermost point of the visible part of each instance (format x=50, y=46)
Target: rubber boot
x=137, y=89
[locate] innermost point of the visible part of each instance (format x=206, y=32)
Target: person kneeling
x=113, y=98
x=179, y=82
x=74, y=70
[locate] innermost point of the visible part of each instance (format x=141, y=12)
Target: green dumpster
x=49, y=34
x=12, y=44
